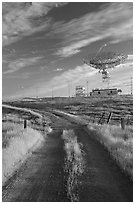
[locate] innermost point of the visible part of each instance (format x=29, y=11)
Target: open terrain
x=70, y=165
x=78, y=160
x=17, y=141
x=90, y=108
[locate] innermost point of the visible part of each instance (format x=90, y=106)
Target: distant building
x=80, y=91
x=105, y=92
x=29, y=99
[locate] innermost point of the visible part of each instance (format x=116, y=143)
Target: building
x=105, y=92
x=80, y=91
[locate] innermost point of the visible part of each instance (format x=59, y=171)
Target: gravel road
x=70, y=165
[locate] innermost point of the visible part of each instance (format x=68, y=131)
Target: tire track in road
x=41, y=178
x=69, y=166
x=102, y=180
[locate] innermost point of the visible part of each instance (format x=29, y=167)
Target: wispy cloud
x=114, y=22
x=25, y=75
x=130, y=58
x=22, y=19
x=70, y=75
x=16, y=65
x=79, y=75
x=74, y=48
x=61, y=81
x=59, y=69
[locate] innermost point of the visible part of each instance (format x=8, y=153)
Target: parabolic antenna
x=104, y=61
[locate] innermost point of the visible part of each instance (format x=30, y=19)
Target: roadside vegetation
x=74, y=162
x=95, y=112
x=19, y=145
x=17, y=142
x=118, y=142
x=91, y=108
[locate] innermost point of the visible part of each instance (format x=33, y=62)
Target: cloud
x=58, y=69
x=68, y=51
x=25, y=75
x=114, y=22
x=74, y=48
x=61, y=81
x=16, y=65
x=21, y=19
x=130, y=58
x=79, y=75
x=72, y=76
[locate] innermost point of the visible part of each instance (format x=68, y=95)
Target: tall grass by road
x=18, y=143
x=119, y=143
x=74, y=163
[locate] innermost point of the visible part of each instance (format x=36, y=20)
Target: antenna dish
x=104, y=61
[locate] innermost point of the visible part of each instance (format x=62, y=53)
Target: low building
x=80, y=91
x=105, y=92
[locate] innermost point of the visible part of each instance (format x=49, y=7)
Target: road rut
x=43, y=177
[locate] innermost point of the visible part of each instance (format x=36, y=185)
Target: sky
x=44, y=44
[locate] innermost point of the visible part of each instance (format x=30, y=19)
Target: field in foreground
x=17, y=142
x=118, y=142
x=70, y=165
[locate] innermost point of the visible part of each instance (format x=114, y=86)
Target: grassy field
x=91, y=108
x=17, y=142
x=119, y=144
x=118, y=141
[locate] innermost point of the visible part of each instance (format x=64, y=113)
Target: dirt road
x=69, y=166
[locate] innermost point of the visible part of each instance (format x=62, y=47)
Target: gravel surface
x=47, y=175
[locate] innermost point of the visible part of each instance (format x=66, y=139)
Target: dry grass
x=17, y=142
x=20, y=142
x=90, y=107
x=74, y=162
x=12, y=126
x=119, y=143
